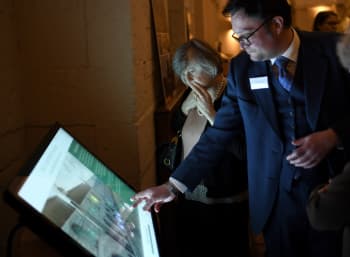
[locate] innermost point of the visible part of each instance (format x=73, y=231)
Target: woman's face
x=195, y=74
x=330, y=24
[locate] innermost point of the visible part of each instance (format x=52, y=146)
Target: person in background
x=328, y=206
x=289, y=95
x=218, y=204
x=326, y=21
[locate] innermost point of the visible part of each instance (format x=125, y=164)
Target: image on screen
x=88, y=201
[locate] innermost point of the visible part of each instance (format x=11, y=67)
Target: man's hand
x=154, y=196
x=311, y=149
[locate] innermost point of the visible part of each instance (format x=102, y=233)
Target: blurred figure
x=326, y=21
x=328, y=206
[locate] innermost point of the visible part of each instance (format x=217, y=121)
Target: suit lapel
x=264, y=96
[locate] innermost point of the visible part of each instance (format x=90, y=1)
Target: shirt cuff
x=179, y=186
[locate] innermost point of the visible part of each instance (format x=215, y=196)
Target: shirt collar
x=292, y=51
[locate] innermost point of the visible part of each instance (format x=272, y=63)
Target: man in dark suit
x=294, y=112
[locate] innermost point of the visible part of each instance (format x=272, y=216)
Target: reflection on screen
x=78, y=193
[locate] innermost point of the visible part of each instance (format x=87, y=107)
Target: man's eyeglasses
x=244, y=40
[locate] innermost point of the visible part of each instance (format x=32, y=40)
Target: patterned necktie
x=285, y=76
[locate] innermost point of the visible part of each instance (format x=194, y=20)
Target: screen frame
x=39, y=223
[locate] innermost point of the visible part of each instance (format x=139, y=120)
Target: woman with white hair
x=219, y=203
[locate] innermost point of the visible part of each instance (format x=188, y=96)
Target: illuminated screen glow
x=88, y=201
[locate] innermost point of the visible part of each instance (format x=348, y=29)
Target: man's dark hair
x=262, y=9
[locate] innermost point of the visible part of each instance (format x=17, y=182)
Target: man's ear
x=277, y=25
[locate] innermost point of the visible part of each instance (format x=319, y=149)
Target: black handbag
x=170, y=153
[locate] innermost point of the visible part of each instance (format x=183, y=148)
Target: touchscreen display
x=88, y=201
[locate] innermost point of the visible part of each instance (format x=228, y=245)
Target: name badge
x=258, y=83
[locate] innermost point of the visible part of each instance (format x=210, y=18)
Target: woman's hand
x=204, y=101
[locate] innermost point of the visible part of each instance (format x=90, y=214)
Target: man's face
x=262, y=44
